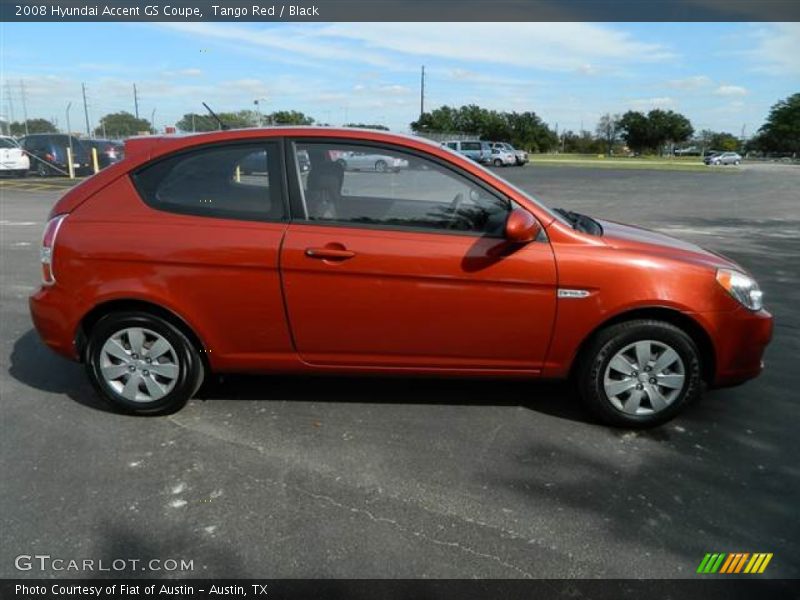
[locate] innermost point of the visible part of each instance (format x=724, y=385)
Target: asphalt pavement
x=356, y=477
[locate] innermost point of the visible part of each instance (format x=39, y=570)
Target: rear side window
x=7, y=143
x=240, y=181
x=470, y=145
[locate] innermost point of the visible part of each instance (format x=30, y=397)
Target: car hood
x=639, y=239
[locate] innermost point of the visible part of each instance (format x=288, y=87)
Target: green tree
x=781, y=131
x=194, y=122
x=365, y=126
x=582, y=143
x=649, y=133
x=191, y=122
x=608, y=131
x=290, y=117
x=34, y=126
x=635, y=130
x=121, y=124
x=524, y=130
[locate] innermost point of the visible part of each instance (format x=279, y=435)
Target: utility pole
x=153, y=121
x=135, y=101
x=24, y=104
x=422, y=92
x=86, y=110
x=10, y=101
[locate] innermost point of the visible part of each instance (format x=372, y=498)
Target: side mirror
x=522, y=227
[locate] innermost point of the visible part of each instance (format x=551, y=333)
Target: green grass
x=659, y=163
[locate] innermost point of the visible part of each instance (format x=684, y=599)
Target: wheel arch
x=129, y=304
x=690, y=326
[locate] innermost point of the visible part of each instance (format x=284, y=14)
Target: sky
x=723, y=76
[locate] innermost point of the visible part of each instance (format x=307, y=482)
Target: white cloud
x=548, y=46
x=649, y=103
x=690, y=83
x=730, y=90
x=777, y=50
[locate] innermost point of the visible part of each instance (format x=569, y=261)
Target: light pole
x=153, y=121
x=69, y=129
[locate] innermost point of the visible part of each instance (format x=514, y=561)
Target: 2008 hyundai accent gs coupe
x=173, y=263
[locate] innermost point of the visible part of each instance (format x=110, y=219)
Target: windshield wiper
x=581, y=222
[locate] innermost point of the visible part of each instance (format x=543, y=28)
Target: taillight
x=50, y=157
x=48, y=247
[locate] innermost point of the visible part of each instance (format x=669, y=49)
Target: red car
x=173, y=263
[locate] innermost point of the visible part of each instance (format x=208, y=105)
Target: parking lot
x=356, y=477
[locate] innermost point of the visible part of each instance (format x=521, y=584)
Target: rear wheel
x=142, y=364
x=42, y=170
x=381, y=166
x=639, y=373
x=498, y=162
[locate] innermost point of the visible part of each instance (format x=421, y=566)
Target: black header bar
x=400, y=10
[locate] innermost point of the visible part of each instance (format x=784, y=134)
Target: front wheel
x=498, y=162
x=142, y=364
x=381, y=166
x=639, y=373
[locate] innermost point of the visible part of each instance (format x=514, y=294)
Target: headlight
x=742, y=287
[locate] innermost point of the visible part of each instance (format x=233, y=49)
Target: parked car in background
x=370, y=161
x=13, y=160
x=723, y=158
x=446, y=270
x=503, y=158
x=48, y=154
x=108, y=151
x=521, y=155
x=476, y=150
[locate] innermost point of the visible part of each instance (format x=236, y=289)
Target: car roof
x=160, y=144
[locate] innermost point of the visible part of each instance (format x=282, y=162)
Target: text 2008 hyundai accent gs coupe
x=173, y=263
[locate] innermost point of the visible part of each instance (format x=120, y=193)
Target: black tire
x=610, y=341
x=42, y=170
x=381, y=166
x=190, y=366
x=342, y=163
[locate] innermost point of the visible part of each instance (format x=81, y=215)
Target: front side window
x=236, y=181
x=381, y=187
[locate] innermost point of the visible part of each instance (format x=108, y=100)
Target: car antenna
x=216, y=117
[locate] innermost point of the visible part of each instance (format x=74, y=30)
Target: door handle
x=329, y=253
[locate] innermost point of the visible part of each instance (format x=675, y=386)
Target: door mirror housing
x=522, y=227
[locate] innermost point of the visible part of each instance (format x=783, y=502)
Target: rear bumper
x=52, y=314
x=741, y=337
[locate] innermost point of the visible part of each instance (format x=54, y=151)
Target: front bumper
x=740, y=339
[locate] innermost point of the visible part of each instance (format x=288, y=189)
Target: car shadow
x=35, y=365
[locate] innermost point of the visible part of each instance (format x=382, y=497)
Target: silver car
x=520, y=155
x=365, y=161
x=724, y=158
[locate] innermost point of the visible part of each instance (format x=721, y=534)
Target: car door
x=410, y=269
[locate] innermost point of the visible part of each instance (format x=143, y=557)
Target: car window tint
x=7, y=143
x=227, y=181
x=387, y=188
x=470, y=145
